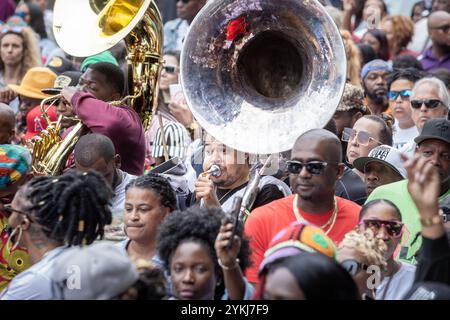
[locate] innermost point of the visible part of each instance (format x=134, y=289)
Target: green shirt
x=397, y=193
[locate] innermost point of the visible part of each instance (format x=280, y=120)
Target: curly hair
x=367, y=245
x=353, y=57
x=31, y=56
x=72, y=208
x=201, y=225
x=159, y=185
x=403, y=32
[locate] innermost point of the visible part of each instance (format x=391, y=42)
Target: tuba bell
x=87, y=27
x=258, y=73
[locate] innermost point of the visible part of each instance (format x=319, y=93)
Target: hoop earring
x=9, y=241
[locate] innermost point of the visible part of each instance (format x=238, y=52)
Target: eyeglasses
x=7, y=208
x=362, y=137
x=444, y=28
x=393, y=95
x=6, y=29
x=393, y=228
x=353, y=267
x=184, y=1
x=429, y=103
x=313, y=167
x=170, y=69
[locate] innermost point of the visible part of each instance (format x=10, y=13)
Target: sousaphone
x=259, y=73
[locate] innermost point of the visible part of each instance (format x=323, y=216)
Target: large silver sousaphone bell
x=259, y=73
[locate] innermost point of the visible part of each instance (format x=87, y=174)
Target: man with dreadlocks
x=46, y=217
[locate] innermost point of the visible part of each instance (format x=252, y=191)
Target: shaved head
x=333, y=150
x=92, y=147
x=7, y=124
x=435, y=17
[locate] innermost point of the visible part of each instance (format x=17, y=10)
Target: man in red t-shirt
x=314, y=169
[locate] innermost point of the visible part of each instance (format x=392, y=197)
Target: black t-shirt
x=267, y=194
x=351, y=187
x=434, y=261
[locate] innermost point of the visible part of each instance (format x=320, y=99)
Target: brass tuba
x=87, y=27
x=258, y=73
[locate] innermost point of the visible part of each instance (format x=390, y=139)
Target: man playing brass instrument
x=103, y=82
x=220, y=190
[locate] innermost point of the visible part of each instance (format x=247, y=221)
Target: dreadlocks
x=72, y=208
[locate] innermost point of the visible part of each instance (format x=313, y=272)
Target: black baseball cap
x=66, y=79
x=435, y=129
x=59, y=65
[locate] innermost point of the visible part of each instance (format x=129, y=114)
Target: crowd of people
x=359, y=209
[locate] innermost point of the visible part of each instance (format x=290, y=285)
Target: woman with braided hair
x=48, y=215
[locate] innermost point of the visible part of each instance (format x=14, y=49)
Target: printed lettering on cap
x=380, y=153
x=62, y=81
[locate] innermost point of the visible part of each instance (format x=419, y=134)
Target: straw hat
x=33, y=82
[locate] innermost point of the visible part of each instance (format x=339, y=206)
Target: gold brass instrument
x=50, y=151
x=86, y=27
x=258, y=73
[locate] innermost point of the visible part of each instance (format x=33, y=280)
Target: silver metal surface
x=259, y=73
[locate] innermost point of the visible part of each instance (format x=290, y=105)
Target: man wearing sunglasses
x=15, y=164
x=175, y=30
x=400, y=85
x=433, y=147
x=429, y=100
x=314, y=168
x=438, y=55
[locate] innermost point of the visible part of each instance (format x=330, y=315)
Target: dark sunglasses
x=393, y=228
x=429, y=103
x=444, y=28
x=393, y=95
x=170, y=69
x=362, y=137
x=7, y=208
x=184, y=1
x=353, y=267
x=313, y=167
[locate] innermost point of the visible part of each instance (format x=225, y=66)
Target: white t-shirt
x=400, y=283
x=403, y=136
x=118, y=202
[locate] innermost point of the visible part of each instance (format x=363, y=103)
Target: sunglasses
x=393, y=228
x=353, y=267
x=6, y=29
x=170, y=69
x=393, y=95
x=444, y=28
x=362, y=137
x=313, y=167
x=429, y=103
x=184, y=1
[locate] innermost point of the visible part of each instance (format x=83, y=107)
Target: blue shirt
x=174, y=33
x=34, y=283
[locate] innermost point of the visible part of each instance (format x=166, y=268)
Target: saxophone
x=105, y=23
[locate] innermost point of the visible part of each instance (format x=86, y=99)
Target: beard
x=378, y=99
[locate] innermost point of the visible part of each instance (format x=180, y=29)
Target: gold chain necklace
x=331, y=220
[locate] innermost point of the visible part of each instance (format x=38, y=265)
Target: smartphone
x=165, y=167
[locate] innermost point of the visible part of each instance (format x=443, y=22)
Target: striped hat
x=177, y=140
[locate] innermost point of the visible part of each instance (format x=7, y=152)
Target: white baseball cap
x=383, y=154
